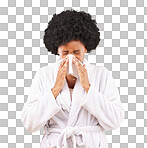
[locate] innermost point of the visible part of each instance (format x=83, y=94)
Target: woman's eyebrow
x=74, y=50
x=77, y=50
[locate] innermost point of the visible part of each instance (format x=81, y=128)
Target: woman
x=74, y=110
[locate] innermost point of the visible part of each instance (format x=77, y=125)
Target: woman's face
x=73, y=47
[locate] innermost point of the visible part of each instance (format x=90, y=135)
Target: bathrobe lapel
x=77, y=99
x=77, y=96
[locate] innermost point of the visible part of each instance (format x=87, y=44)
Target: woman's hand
x=60, y=79
x=82, y=74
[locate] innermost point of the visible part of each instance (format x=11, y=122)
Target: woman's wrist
x=87, y=88
x=55, y=91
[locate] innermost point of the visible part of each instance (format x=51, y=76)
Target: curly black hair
x=71, y=25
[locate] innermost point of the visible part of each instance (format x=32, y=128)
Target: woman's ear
x=59, y=50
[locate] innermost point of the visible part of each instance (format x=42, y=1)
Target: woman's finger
x=63, y=62
x=64, y=65
x=66, y=62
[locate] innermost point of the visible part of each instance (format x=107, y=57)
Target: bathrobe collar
x=78, y=94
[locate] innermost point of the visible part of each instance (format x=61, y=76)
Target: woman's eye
x=65, y=52
x=76, y=52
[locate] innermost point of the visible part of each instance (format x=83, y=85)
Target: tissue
x=71, y=67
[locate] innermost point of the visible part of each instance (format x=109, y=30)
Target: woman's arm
x=105, y=105
x=40, y=106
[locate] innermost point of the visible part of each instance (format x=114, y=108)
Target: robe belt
x=72, y=132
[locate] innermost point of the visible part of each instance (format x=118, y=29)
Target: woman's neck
x=71, y=80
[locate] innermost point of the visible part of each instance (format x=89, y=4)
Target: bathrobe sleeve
x=39, y=107
x=104, y=103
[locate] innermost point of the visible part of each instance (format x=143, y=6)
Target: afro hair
x=71, y=25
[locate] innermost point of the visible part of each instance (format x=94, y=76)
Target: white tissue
x=71, y=68
x=70, y=64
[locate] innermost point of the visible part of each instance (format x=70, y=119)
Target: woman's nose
x=69, y=54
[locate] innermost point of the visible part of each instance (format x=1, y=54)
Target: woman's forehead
x=70, y=49
x=72, y=46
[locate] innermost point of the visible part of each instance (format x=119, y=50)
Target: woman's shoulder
x=101, y=69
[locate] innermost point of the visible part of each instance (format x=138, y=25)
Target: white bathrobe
x=81, y=124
